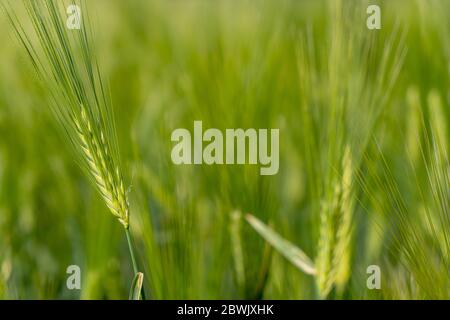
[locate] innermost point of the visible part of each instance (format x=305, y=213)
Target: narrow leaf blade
x=292, y=253
x=136, y=286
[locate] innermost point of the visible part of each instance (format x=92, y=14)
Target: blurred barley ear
x=236, y=242
x=65, y=63
x=333, y=262
x=334, y=248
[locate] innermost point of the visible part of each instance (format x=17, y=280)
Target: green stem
x=133, y=258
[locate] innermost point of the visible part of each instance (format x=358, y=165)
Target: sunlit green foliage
x=364, y=153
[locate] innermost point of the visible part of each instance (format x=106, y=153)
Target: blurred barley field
x=364, y=176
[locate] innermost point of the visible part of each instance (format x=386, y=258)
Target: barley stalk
x=64, y=61
x=81, y=106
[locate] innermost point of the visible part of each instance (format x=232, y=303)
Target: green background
x=311, y=69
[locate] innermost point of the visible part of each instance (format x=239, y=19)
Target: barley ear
x=101, y=167
x=334, y=250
